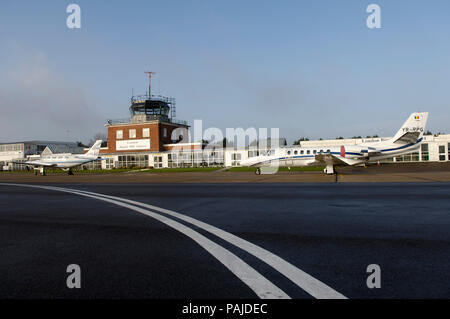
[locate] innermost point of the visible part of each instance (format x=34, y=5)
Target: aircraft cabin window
x=328, y=151
x=302, y=151
x=308, y=151
x=314, y=151
x=289, y=152
x=295, y=152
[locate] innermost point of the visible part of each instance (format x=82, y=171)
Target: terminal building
x=152, y=137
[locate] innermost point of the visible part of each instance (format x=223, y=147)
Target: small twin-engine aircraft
x=406, y=140
x=64, y=161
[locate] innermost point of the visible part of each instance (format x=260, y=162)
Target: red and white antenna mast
x=150, y=83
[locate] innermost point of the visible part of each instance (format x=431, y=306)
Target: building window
x=424, y=151
x=253, y=153
x=132, y=133
x=109, y=163
x=165, y=132
x=119, y=134
x=145, y=132
x=236, y=159
x=442, y=152
x=448, y=150
x=130, y=161
x=157, y=162
x=236, y=156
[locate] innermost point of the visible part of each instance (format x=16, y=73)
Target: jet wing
x=331, y=159
x=34, y=163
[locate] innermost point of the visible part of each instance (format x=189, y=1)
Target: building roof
x=61, y=148
x=40, y=142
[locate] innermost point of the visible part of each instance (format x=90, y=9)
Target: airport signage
x=131, y=145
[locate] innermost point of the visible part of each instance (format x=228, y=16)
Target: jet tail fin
x=95, y=149
x=412, y=130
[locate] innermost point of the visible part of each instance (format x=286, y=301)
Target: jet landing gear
x=329, y=169
x=40, y=170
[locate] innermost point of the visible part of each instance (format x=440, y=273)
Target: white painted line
x=308, y=283
x=263, y=288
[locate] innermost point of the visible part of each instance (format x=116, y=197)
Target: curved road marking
x=311, y=285
x=263, y=288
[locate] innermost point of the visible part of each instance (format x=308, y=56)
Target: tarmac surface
x=330, y=231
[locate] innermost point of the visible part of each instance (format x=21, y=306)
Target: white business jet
x=406, y=140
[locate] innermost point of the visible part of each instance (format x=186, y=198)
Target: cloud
x=37, y=102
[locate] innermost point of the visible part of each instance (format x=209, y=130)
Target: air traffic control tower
x=150, y=126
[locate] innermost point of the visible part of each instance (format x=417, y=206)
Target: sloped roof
x=61, y=148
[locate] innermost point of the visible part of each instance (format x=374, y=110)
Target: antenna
x=149, y=83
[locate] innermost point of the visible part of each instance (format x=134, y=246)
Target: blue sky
x=311, y=68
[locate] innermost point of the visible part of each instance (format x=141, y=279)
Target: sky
x=310, y=68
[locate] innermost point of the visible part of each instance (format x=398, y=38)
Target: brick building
x=152, y=138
